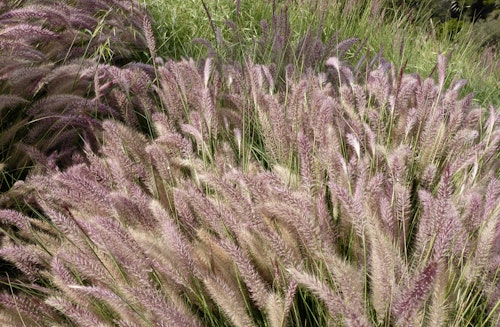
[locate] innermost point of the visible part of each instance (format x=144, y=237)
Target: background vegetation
x=411, y=32
x=249, y=163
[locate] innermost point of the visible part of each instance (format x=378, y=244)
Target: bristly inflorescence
x=64, y=69
x=378, y=200
x=229, y=193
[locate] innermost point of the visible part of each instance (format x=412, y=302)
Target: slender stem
x=209, y=18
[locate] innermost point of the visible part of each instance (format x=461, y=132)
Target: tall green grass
x=405, y=34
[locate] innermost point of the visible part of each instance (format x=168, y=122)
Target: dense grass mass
x=404, y=33
x=219, y=163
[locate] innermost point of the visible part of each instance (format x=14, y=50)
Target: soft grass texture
x=62, y=72
x=326, y=202
x=351, y=207
x=404, y=34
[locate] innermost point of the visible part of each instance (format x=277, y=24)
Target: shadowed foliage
x=62, y=71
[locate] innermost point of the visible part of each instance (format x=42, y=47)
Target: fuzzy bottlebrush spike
x=53, y=67
x=358, y=202
x=277, y=47
x=335, y=303
x=406, y=304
